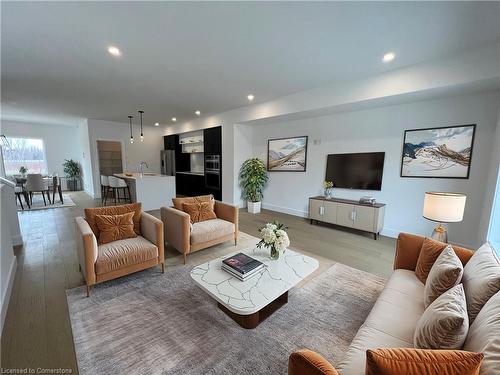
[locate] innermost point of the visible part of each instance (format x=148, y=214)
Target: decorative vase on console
x=328, y=189
x=274, y=237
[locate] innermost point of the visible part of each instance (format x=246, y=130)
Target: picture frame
x=439, y=152
x=287, y=154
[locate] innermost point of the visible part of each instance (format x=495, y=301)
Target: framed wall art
x=438, y=152
x=287, y=154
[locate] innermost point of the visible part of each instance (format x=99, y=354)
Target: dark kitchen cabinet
x=189, y=184
x=169, y=142
x=212, y=141
x=182, y=160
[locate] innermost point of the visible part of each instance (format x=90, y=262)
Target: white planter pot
x=253, y=207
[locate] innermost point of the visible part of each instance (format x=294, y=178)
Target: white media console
x=347, y=213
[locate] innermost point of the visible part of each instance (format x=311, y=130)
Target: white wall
x=492, y=211
x=7, y=258
x=85, y=157
x=467, y=70
x=381, y=129
x=61, y=142
x=132, y=154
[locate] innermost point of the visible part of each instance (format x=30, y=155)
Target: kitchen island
x=153, y=190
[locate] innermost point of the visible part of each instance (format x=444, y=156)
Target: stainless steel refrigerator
x=168, y=162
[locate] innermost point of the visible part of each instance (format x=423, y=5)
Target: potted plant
x=72, y=170
x=23, y=170
x=253, y=178
x=328, y=189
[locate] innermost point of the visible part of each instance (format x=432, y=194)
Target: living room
x=326, y=104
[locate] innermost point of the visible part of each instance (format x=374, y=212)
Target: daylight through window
x=24, y=152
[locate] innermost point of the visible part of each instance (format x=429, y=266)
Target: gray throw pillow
x=446, y=272
x=484, y=336
x=481, y=279
x=445, y=323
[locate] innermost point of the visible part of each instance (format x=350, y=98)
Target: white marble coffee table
x=250, y=302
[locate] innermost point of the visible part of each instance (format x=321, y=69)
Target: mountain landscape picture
x=287, y=154
x=438, y=152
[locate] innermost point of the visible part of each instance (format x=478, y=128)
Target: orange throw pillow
x=419, y=361
x=428, y=255
x=115, y=227
x=178, y=202
x=199, y=211
x=136, y=208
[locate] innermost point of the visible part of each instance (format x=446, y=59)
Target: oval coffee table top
x=249, y=296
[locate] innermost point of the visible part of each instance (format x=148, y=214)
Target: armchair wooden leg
x=88, y=290
x=235, y=239
x=185, y=256
x=163, y=268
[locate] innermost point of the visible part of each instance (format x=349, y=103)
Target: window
x=24, y=152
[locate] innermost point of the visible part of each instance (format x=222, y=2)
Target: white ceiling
x=180, y=57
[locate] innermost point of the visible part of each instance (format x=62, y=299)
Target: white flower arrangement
x=274, y=236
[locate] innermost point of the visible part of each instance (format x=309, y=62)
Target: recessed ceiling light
x=157, y=124
x=250, y=97
x=388, y=57
x=198, y=113
x=115, y=51
x=174, y=119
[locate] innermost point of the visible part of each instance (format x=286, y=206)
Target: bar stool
x=118, y=184
x=104, y=188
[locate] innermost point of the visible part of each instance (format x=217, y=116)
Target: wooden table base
x=253, y=320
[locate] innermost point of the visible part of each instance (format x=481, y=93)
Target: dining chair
x=104, y=188
x=117, y=184
x=19, y=191
x=35, y=183
x=56, y=186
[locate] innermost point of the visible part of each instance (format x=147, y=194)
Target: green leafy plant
x=23, y=170
x=72, y=169
x=253, y=178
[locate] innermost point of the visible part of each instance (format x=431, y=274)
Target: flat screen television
x=356, y=171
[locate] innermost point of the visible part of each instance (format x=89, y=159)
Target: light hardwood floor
x=37, y=331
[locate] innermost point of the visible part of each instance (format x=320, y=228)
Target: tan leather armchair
x=100, y=263
x=187, y=238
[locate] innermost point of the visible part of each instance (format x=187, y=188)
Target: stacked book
x=242, y=266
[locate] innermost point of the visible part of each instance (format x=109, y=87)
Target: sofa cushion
x=445, y=323
x=484, y=336
x=90, y=214
x=481, y=279
x=210, y=230
x=119, y=254
x=391, y=323
x=418, y=361
x=354, y=360
x=446, y=272
x=177, y=202
x=428, y=255
x=200, y=211
x=115, y=227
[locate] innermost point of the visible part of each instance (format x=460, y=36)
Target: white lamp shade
x=444, y=207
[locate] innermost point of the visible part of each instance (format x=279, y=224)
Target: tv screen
x=356, y=171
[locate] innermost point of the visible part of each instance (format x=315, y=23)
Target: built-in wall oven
x=212, y=172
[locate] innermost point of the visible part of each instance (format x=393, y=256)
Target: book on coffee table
x=242, y=263
x=242, y=277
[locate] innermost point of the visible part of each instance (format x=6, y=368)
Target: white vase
x=253, y=207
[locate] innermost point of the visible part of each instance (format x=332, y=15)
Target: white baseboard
x=285, y=210
x=8, y=291
x=389, y=232
x=17, y=240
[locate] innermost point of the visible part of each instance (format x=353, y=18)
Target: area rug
x=153, y=323
x=39, y=205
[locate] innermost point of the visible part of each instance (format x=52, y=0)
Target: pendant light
x=142, y=135
x=131, y=136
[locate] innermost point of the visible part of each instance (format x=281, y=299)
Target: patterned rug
x=153, y=323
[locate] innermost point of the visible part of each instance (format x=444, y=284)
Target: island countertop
x=153, y=190
x=135, y=175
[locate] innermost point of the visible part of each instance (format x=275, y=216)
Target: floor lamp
x=443, y=208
